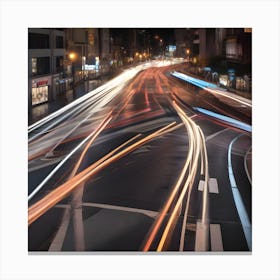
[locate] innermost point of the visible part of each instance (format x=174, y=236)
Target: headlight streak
x=226, y=119
x=50, y=138
x=63, y=110
x=202, y=171
x=211, y=88
x=196, y=144
x=171, y=198
x=52, y=125
x=120, y=80
x=67, y=135
x=94, y=134
x=204, y=215
x=77, y=205
x=197, y=148
x=98, y=101
x=43, y=205
x=246, y=165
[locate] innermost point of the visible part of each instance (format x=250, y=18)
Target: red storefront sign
x=42, y=83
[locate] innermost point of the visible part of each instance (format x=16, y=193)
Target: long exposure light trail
x=197, y=142
x=211, y=88
x=77, y=203
x=68, y=134
x=168, y=203
x=94, y=134
x=96, y=104
x=193, y=154
x=226, y=119
x=43, y=205
x=120, y=80
x=93, y=170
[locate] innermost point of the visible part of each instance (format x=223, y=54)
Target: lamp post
x=72, y=57
x=188, y=54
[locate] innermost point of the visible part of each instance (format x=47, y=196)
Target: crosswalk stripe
x=216, y=238
x=213, y=185
x=201, y=185
x=201, y=237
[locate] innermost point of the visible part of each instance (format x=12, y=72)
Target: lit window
x=34, y=65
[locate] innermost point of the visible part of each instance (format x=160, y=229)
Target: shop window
x=39, y=95
x=34, y=65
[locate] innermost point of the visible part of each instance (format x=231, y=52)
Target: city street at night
x=157, y=158
x=139, y=140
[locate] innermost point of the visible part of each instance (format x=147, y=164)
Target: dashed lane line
x=213, y=185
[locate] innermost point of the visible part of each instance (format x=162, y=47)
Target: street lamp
x=188, y=54
x=72, y=57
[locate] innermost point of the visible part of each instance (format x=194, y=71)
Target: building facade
x=88, y=52
x=46, y=65
x=220, y=54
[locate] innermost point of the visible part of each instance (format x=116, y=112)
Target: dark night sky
x=167, y=34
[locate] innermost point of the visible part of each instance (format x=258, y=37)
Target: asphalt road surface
x=147, y=162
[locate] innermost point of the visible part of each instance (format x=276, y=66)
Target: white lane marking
x=201, y=185
x=245, y=165
x=58, y=240
x=201, y=237
x=216, y=238
x=149, y=213
x=57, y=243
x=213, y=185
x=246, y=225
x=216, y=134
x=50, y=153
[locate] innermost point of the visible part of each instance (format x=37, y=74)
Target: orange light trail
x=196, y=145
x=167, y=205
x=43, y=205
x=94, y=134
x=190, y=178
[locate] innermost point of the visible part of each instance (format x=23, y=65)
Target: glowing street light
x=188, y=54
x=72, y=56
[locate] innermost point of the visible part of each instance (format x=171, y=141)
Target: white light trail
x=212, y=88
x=40, y=207
x=119, y=81
x=226, y=119
x=95, y=132
x=246, y=224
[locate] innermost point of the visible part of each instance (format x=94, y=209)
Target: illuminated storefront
x=223, y=80
x=40, y=91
